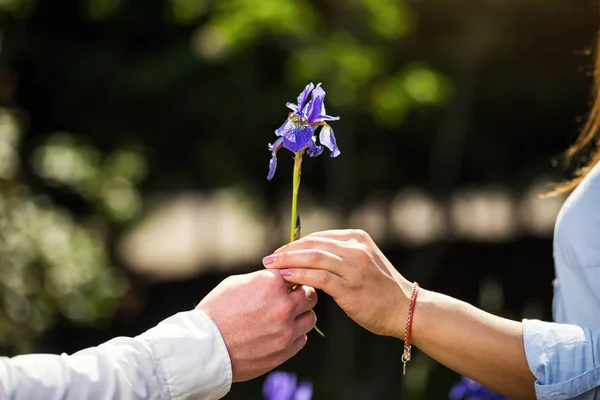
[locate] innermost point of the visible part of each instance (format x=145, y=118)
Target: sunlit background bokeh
x=133, y=160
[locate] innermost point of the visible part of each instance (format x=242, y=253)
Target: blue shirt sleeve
x=564, y=360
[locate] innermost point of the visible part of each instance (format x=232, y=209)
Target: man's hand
x=262, y=324
x=349, y=266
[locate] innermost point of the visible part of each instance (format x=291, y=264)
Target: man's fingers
x=332, y=284
x=310, y=258
x=304, y=323
x=304, y=298
x=298, y=345
x=293, y=349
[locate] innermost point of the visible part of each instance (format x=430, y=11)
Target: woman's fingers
x=330, y=283
x=328, y=240
x=310, y=258
x=347, y=238
x=343, y=234
x=313, y=242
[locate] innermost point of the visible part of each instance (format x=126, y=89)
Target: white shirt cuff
x=191, y=357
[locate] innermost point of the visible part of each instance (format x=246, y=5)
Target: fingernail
x=269, y=259
x=286, y=272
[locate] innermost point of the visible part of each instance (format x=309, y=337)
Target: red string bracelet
x=409, y=322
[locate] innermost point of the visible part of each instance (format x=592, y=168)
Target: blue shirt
x=565, y=359
x=577, y=255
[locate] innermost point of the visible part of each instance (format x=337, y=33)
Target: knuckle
x=228, y=281
x=361, y=235
x=263, y=275
x=300, y=274
x=281, y=257
x=284, y=311
x=309, y=242
x=310, y=293
x=311, y=296
x=362, y=254
x=240, y=278
x=287, y=337
x=325, y=278
x=302, y=340
x=312, y=318
x=271, y=283
x=317, y=256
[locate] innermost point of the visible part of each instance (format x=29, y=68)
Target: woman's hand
x=349, y=266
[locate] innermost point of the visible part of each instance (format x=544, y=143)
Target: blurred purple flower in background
x=298, y=132
x=284, y=386
x=468, y=389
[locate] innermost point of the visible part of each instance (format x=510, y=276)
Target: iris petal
x=316, y=107
x=458, y=391
x=272, y=166
x=296, y=135
x=326, y=117
x=327, y=139
x=279, y=131
x=313, y=149
x=274, y=148
x=304, y=391
x=317, y=111
x=304, y=95
x=292, y=106
x=279, y=385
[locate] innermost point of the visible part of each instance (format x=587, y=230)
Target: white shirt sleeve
x=183, y=357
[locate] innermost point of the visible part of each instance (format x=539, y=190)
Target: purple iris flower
x=284, y=386
x=298, y=132
x=468, y=389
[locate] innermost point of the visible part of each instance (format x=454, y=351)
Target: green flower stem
x=295, y=189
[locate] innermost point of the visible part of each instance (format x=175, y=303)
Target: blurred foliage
x=53, y=264
x=192, y=64
x=108, y=183
x=346, y=44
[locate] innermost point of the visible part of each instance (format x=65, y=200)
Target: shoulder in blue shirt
x=565, y=358
x=577, y=255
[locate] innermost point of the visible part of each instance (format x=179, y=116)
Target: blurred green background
x=133, y=160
